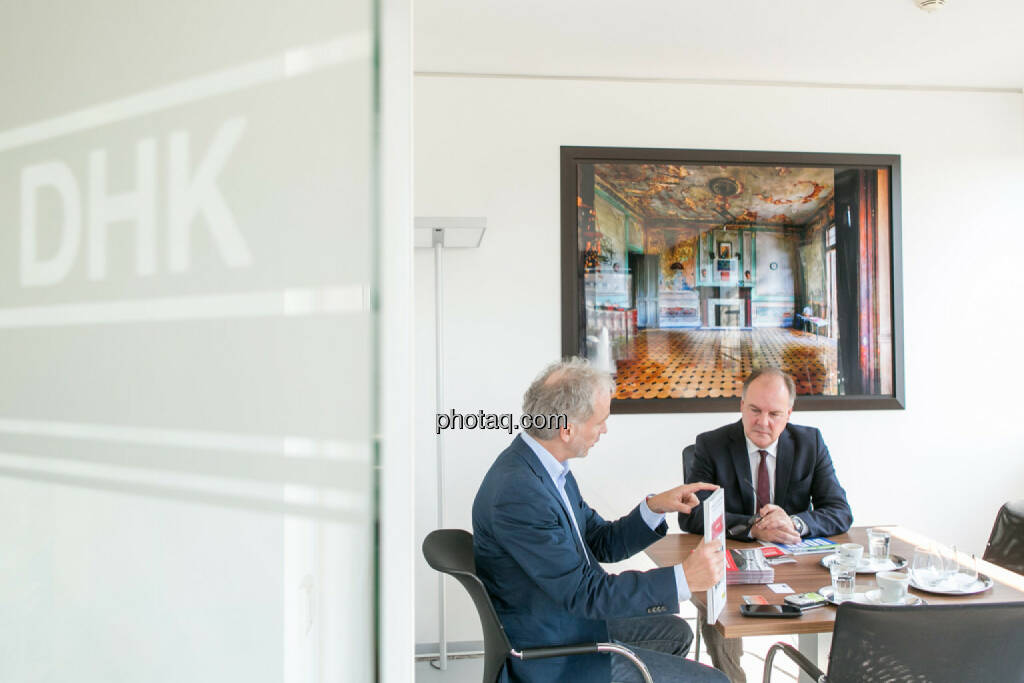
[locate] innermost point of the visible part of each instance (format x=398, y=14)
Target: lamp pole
x=437, y=240
x=439, y=234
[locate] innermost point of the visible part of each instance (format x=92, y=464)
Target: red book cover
x=717, y=526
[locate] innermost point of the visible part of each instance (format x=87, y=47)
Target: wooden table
x=808, y=575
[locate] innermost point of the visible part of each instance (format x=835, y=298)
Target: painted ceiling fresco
x=785, y=196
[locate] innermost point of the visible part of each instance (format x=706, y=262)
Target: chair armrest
x=584, y=649
x=794, y=654
x=556, y=651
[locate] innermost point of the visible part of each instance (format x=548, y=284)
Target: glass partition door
x=187, y=342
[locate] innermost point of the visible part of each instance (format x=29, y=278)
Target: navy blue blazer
x=805, y=480
x=531, y=562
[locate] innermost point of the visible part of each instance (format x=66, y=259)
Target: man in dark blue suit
x=538, y=546
x=771, y=470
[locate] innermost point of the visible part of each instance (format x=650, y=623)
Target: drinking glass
x=927, y=566
x=844, y=579
x=968, y=572
x=950, y=564
x=878, y=544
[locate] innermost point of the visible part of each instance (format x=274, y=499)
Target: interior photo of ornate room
x=693, y=275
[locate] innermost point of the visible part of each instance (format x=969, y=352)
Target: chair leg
x=584, y=649
x=615, y=648
x=696, y=640
x=814, y=672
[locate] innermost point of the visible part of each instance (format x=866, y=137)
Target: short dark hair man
x=538, y=546
x=768, y=467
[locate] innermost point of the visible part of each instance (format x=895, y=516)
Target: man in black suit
x=779, y=472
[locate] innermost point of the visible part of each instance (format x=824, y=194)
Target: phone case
x=748, y=611
x=803, y=601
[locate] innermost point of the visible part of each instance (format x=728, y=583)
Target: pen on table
x=738, y=529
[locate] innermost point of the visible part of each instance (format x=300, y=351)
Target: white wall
x=490, y=147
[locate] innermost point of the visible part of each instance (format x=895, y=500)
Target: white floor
x=470, y=670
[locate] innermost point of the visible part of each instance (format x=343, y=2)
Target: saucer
x=874, y=597
x=827, y=593
x=869, y=566
x=954, y=587
x=871, y=597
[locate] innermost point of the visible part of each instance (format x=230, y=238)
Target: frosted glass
x=187, y=342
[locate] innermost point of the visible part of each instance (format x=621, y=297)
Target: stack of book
x=807, y=546
x=747, y=565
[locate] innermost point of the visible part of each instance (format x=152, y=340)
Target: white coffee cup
x=850, y=553
x=892, y=586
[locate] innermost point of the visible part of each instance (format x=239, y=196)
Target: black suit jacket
x=805, y=480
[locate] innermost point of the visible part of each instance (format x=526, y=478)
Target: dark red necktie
x=764, y=487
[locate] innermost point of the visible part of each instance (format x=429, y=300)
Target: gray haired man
x=538, y=546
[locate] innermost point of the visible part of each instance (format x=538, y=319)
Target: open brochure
x=714, y=532
x=808, y=546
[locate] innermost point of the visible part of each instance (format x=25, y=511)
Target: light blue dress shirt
x=558, y=471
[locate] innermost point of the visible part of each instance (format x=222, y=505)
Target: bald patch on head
x=554, y=377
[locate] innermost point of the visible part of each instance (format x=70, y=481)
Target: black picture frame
x=574, y=214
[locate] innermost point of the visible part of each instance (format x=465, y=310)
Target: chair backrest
x=1006, y=542
x=935, y=643
x=451, y=551
x=688, y=455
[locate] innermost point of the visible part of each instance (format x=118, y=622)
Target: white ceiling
x=968, y=43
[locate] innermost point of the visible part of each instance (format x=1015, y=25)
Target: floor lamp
x=440, y=234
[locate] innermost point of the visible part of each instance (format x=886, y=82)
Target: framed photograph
x=682, y=270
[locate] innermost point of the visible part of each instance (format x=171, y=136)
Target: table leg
x=814, y=646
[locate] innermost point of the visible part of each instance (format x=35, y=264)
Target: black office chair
x=689, y=453
x=1006, y=542
x=451, y=551
x=964, y=643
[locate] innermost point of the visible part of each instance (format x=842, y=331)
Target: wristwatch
x=800, y=525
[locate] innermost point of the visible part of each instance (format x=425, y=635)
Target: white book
x=714, y=532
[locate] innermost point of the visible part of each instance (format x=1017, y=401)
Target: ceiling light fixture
x=724, y=186
x=930, y=5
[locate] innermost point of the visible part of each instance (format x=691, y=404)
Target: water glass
x=950, y=564
x=968, y=572
x=878, y=544
x=844, y=579
x=927, y=566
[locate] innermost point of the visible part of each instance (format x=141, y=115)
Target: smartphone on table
x=806, y=601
